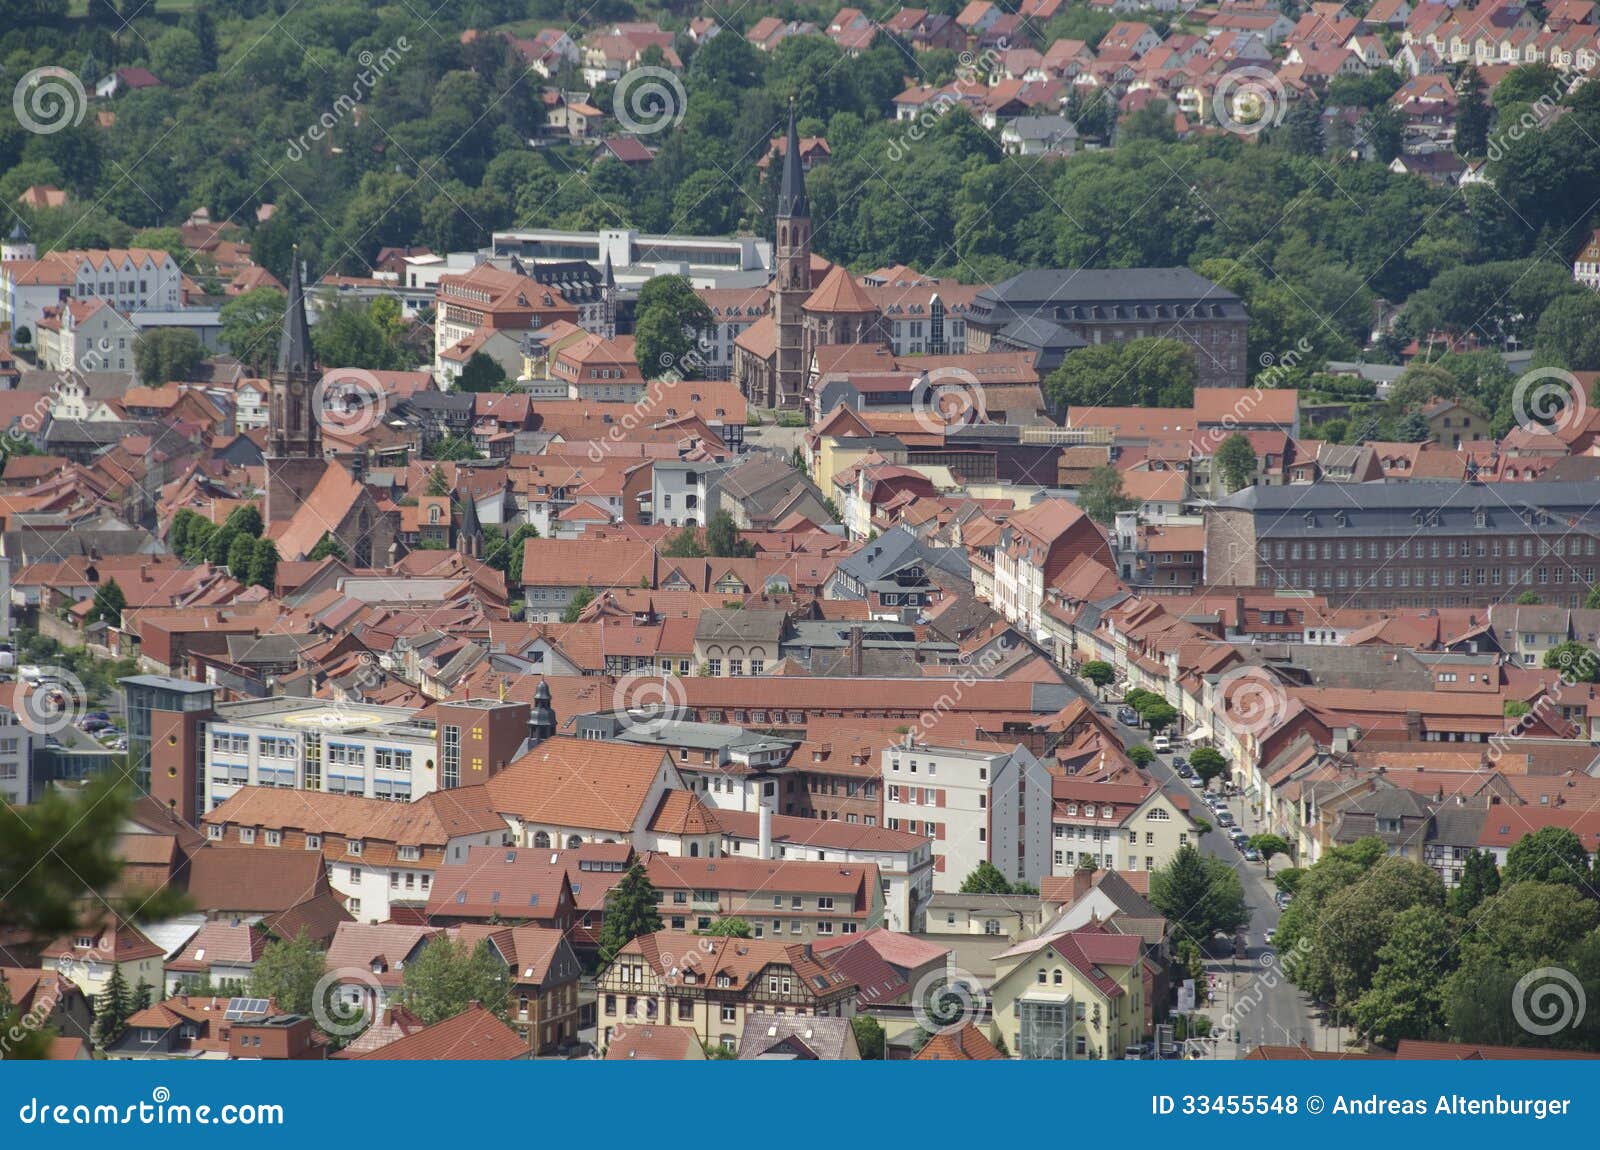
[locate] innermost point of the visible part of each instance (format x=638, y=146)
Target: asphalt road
x=1252, y=992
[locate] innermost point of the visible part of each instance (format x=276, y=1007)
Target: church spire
x=792, y=193
x=294, y=344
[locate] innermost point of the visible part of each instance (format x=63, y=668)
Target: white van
x=1161, y=743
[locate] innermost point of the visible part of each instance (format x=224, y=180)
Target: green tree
x=730, y=928
x=1269, y=845
x=1151, y=372
x=1383, y=131
x=1235, y=461
x=327, y=548
x=1098, y=672
x=288, y=972
x=449, y=975
x=1577, y=662
x=1472, y=114
x=438, y=482
x=1356, y=922
x=1480, y=879
x=250, y=326
x=581, y=599
x=482, y=373
x=1548, y=855
x=1529, y=599
x=985, y=879
x=109, y=603
x=166, y=355
x=1591, y=601
x=240, y=554
x=630, y=912
x=263, y=567
x=113, y=1005
x=722, y=538
x=1200, y=896
x=1207, y=764
x=1407, y=995
x=1569, y=332
x=1159, y=716
x=869, y=1036
x=685, y=544
x=358, y=336
x=1101, y=496
x=1141, y=755
x=668, y=320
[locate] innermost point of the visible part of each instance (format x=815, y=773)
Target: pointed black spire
x=294, y=345
x=792, y=194
x=19, y=232
x=469, y=533
x=606, y=276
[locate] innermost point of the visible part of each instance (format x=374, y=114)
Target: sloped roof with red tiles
x=474, y=1035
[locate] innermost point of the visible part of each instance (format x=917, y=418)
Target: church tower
x=608, y=300
x=469, y=532
x=792, y=282
x=294, y=438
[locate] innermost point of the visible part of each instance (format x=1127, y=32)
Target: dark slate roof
x=1106, y=295
x=1401, y=508
x=294, y=344
x=792, y=192
x=894, y=549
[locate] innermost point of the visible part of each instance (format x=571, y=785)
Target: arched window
x=541, y=840
x=574, y=842
x=694, y=850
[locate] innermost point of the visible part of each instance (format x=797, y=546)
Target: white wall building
x=313, y=745
x=976, y=804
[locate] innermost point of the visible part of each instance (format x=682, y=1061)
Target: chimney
x=764, y=822
x=1414, y=726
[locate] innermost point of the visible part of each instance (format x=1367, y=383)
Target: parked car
x=1225, y=818
x=1179, y=762
x=1161, y=743
x=1270, y=935
x=1252, y=855
x=1128, y=717
x=1283, y=899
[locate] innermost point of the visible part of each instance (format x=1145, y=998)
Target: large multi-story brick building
x=1112, y=306
x=1410, y=544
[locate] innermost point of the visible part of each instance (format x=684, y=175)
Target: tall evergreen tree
x=630, y=912
x=112, y=1007
x=1480, y=879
